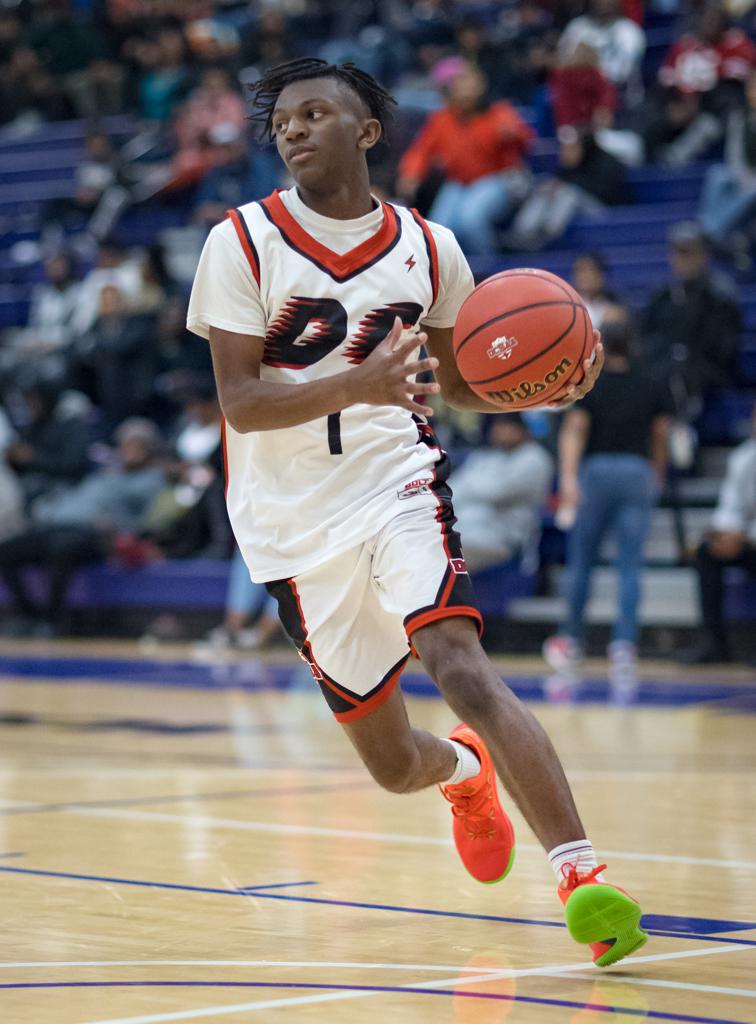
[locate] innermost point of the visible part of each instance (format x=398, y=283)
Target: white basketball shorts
x=352, y=618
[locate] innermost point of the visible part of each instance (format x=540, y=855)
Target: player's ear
x=370, y=133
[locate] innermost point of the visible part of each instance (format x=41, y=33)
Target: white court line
x=689, y=986
x=269, y=1004
x=234, y=824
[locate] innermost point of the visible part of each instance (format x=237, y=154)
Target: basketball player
x=316, y=302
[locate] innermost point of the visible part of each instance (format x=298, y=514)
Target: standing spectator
x=81, y=525
x=731, y=541
x=588, y=180
x=165, y=78
x=589, y=279
x=500, y=492
x=612, y=464
x=728, y=200
x=478, y=148
x=691, y=327
x=618, y=41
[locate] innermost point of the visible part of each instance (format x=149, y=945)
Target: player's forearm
x=264, y=405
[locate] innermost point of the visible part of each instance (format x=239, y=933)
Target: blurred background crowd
x=612, y=141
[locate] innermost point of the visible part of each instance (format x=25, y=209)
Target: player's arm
x=456, y=392
x=250, y=404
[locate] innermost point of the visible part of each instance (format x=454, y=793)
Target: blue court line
x=228, y=794
x=569, y=1004
x=345, y=903
x=276, y=885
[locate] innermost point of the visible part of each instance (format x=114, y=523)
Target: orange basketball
x=521, y=336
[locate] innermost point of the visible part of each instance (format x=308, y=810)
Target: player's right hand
x=386, y=377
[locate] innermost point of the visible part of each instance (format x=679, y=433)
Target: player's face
x=320, y=129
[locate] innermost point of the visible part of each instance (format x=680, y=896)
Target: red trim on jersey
x=431, y=249
x=339, y=267
x=448, y=588
x=225, y=456
x=375, y=701
x=246, y=242
x=307, y=650
x=454, y=611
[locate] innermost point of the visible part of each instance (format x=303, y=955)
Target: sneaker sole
x=493, y=881
x=598, y=913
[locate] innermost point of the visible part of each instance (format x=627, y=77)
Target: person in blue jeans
x=612, y=466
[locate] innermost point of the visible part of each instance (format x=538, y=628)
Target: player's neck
x=346, y=201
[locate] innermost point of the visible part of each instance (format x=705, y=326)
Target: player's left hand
x=592, y=367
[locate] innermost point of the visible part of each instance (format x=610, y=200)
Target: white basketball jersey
x=301, y=495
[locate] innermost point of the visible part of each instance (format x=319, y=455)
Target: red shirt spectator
x=467, y=148
x=699, y=61
x=580, y=93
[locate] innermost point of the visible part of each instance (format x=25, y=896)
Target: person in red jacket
x=478, y=147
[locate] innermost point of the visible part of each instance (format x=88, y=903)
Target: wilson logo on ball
x=501, y=348
x=527, y=389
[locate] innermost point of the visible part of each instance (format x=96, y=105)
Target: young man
x=316, y=302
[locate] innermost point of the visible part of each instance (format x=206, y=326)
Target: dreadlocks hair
x=266, y=90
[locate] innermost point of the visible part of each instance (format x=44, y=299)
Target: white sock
x=579, y=853
x=468, y=766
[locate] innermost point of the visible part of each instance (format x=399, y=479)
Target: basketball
x=521, y=336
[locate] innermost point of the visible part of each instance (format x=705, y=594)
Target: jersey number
x=307, y=330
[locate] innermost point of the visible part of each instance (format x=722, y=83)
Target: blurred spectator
x=618, y=41
x=475, y=148
x=29, y=93
x=95, y=174
x=180, y=353
x=496, y=62
x=499, y=494
x=188, y=518
x=50, y=448
x=691, y=327
x=245, y=601
x=81, y=525
x=702, y=80
x=245, y=172
x=581, y=95
x=11, y=494
x=114, y=267
x=164, y=77
x=588, y=180
x=589, y=279
x=731, y=541
x=52, y=310
x=612, y=465
x=73, y=50
x=213, y=106
x=728, y=199
x=117, y=356
x=267, y=41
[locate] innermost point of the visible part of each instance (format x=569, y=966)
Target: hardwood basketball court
x=192, y=841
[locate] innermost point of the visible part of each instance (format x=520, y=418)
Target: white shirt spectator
x=736, y=509
x=619, y=43
x=499, y=496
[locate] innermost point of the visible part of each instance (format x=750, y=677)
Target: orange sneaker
x=483, y=833
x=601, y=915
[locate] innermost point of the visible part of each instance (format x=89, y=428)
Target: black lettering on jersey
x=376, y=325
x=304, y=332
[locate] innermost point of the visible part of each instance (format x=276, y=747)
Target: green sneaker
x=603, y=916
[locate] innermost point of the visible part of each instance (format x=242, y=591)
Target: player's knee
x=395, y=774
